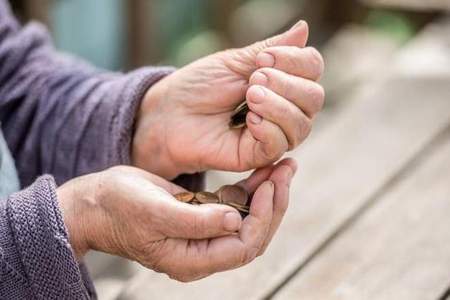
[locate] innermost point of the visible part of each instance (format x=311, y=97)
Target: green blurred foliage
x=177, y=32
x=395, y=24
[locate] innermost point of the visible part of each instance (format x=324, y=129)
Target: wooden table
x=370, y=210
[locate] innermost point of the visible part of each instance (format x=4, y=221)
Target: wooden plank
x=363, y=147
x=400, y=249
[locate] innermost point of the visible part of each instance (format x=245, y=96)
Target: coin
x=239, y=116
x=185, y=197
x=232, y=194
x=239, y=207
x=206, y=197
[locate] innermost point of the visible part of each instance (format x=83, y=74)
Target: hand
x=182, y=125
x=128, y=212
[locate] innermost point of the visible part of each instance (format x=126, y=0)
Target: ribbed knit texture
x=50, y=270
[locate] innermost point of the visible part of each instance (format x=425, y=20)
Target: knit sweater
x=59, y=116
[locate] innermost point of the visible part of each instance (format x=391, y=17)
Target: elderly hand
x=183, y=123
x=129, y=212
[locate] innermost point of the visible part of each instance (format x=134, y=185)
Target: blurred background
x=121, y=35
x=376, y=125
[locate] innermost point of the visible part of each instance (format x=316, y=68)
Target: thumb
x=200, y=222
x=296, y=36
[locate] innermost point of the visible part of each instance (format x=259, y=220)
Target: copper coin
x=239, y=116
x=233, y=194
x=206, y=197
x=241, y=208
x=185, y=197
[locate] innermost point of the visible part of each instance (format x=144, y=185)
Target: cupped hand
x=128, y=212
x=183, y=122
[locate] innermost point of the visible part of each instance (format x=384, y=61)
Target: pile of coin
x=232, y=195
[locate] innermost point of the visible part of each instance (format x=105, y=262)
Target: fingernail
x=232, y=222
x=259, y=92
x=254, y=118
x=256, y=94
x=298, y=24
x=265, y=59
x=259, y=78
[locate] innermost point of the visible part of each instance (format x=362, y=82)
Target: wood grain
x=400, y=249
x=339, y=170
x=342, y=166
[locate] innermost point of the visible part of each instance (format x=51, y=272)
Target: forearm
x=59, y=115
x=36, y=258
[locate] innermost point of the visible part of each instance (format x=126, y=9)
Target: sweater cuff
x=122, y=128
x=42, y=243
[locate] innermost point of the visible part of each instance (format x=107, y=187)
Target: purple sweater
x=62, y=117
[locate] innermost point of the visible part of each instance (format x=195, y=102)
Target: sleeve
x=59, y=115
x=36, y=259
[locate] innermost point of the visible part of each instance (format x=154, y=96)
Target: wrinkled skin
x=128, y=212
x=183, y=122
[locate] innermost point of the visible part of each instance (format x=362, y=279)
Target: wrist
x=70, y=199
x=149, y=149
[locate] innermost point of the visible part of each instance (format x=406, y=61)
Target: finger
x=256, y=179
x=185, y=221
x=281, y=176
x=260, y=175
x=231, y=252
x=156, y=181
x=274, y=108
x=256, y=225
x=303, y=62
x=308, y=95
x=296, y=36
x=265, y=139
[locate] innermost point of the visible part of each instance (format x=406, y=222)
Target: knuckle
x=318, y=98
x=317, y=60
x=284, y=110
x=187, y=276
x=242, y=258
x=262, y=251
x=181, y=278
x=197, y=224
x=292, y=60
x=283, y=206
x=302, y=132
x=305, y=130
x=285, y=87
x=271, y=153
x=295, y=140
x=297, y=134
x=244, y=166
x=246, y=256
x=251, y=254
x=103, y=182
